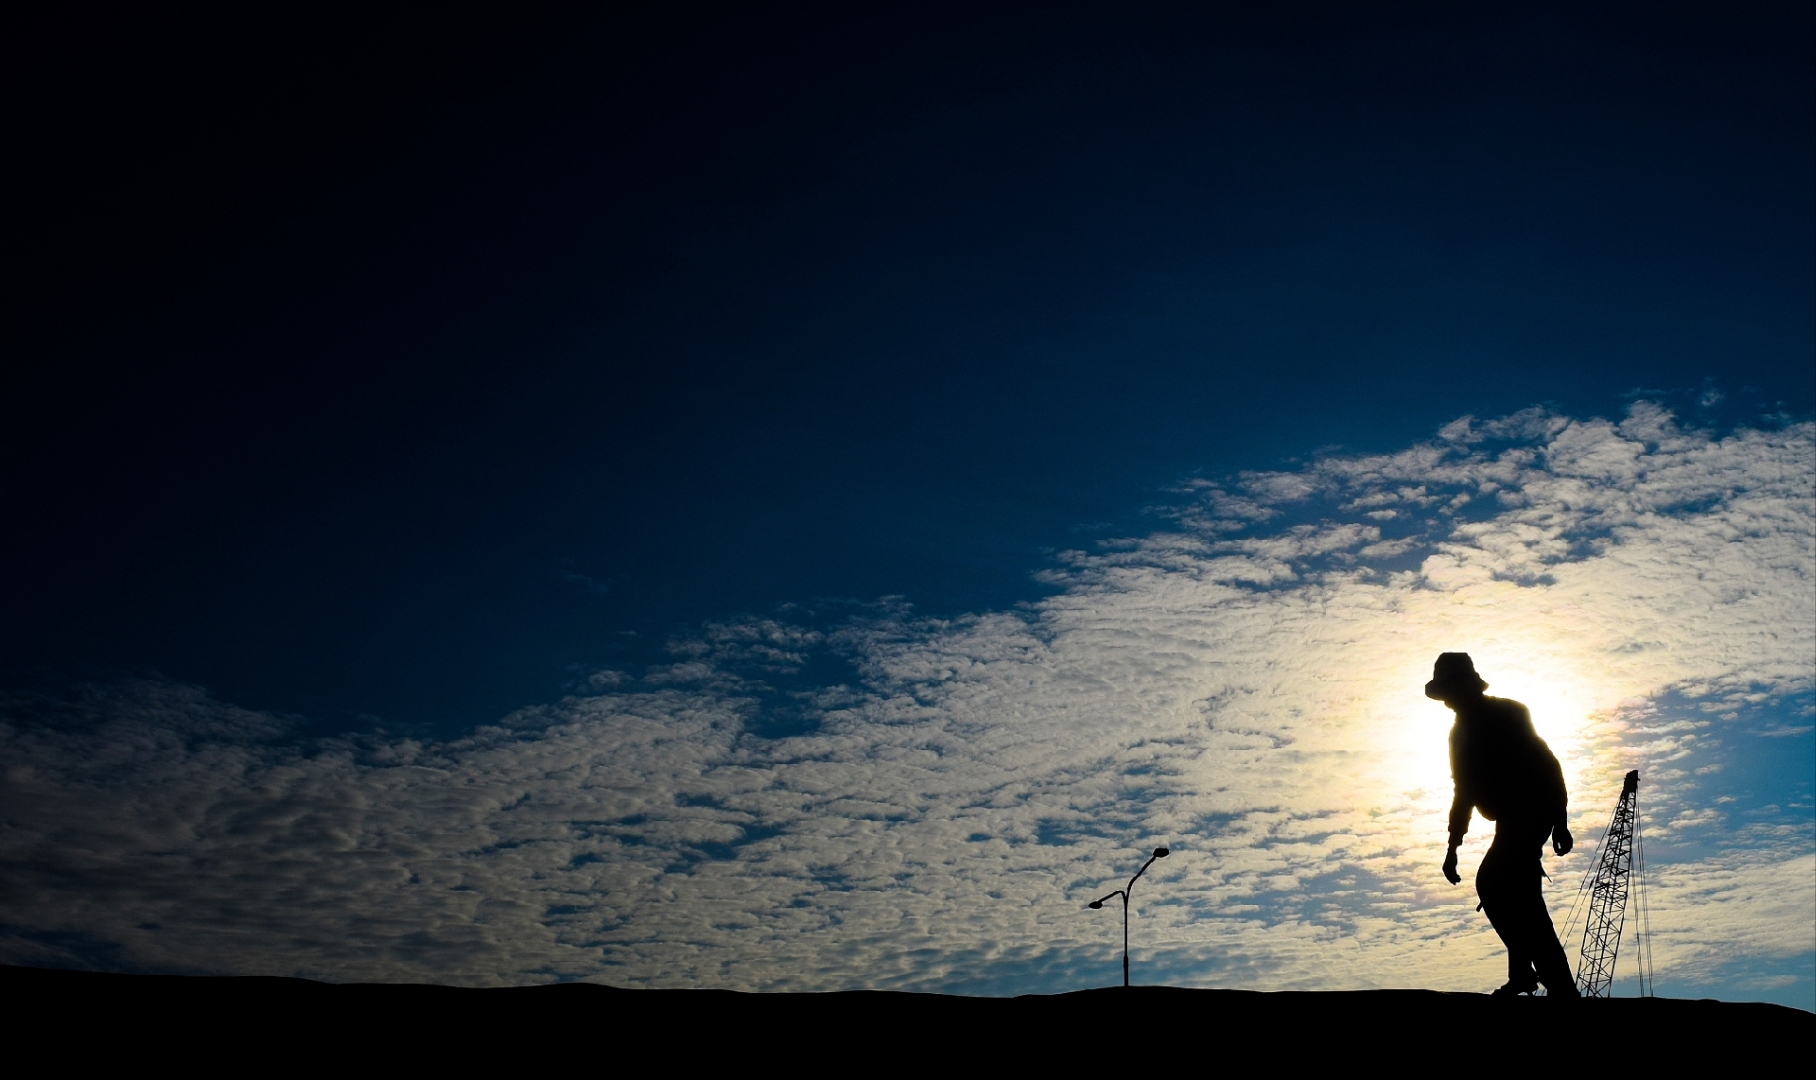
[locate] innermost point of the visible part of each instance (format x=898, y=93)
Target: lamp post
x=1159, y=853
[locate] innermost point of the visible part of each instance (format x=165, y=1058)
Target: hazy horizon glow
x=1243, y=684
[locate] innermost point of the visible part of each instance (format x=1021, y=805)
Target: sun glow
x=1413, y=748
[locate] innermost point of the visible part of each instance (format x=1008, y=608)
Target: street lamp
x=1159, y=853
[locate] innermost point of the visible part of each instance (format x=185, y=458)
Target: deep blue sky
x=411, y=372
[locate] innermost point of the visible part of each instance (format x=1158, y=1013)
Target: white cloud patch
x=1245, y=687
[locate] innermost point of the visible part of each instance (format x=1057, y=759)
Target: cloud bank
x=1242, y=684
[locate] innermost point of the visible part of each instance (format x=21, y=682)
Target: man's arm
x=1462, y=807
x=1561, y=840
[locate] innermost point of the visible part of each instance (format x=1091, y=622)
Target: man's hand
x=1561, y=841
x=1450, y=865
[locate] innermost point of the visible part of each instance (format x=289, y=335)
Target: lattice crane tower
x=1621, y=863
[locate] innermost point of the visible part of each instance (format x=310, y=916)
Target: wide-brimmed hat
x=1453, y=671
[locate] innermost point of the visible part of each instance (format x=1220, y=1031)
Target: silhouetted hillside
x=251, y=1021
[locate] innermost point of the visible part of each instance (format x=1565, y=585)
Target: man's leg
x=1519, y=962
x=1548, y=958
x=1497, y=883
x=1514, y=901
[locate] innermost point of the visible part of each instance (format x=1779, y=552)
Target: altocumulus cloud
x=1243, y=684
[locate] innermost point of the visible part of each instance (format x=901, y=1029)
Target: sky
x=806, y=499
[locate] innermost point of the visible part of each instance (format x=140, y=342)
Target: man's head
x=1454, y=679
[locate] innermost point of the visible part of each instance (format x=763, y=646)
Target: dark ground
x=262, y=1022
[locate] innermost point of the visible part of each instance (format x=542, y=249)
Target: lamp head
x=1161, y=853
x=1095, y=904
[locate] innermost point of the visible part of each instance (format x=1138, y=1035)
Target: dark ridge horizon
x=13, y=978
x=128, y=1018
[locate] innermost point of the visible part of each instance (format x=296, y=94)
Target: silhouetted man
x=1501, y=767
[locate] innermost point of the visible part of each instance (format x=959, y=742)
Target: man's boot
x=1520, y=977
